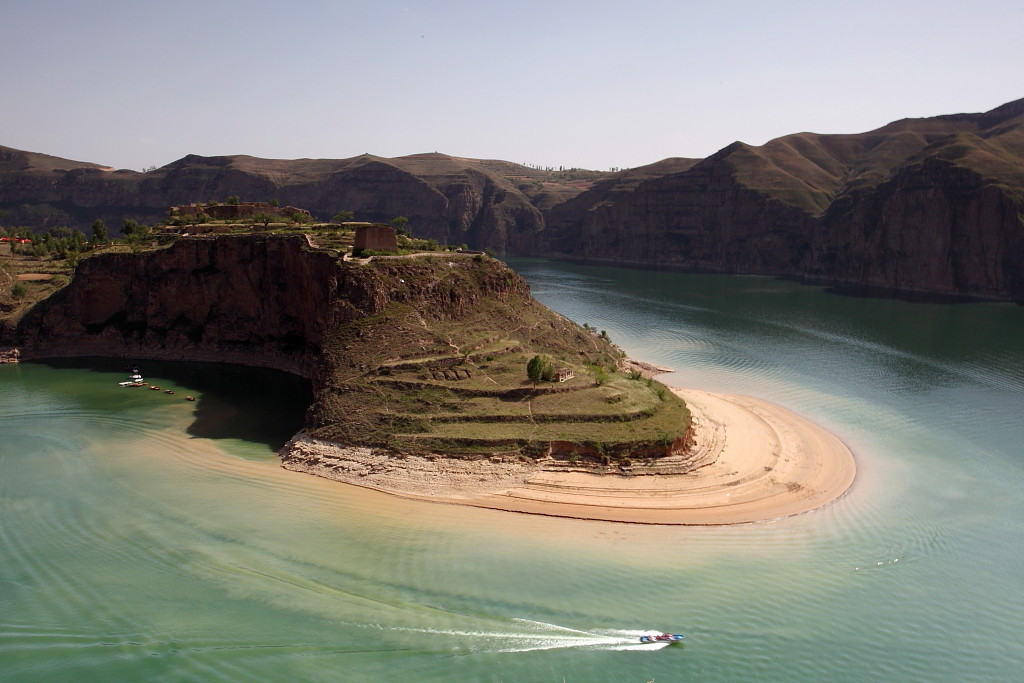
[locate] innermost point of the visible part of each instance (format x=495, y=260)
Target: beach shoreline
x=762, y=462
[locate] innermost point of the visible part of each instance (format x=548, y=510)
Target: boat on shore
x=662, y=638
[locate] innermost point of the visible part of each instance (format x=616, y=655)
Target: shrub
x=19, y=290
x=539, y=369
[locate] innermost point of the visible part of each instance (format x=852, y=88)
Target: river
x=144, y=536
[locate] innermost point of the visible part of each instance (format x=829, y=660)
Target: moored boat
x=134, y=380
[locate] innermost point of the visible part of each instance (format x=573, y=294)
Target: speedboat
x=662, y=638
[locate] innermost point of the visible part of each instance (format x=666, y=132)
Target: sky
x=599, y=85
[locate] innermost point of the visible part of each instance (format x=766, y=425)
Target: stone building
x=375, y=237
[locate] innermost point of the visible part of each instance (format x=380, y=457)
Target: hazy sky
x=134, y=83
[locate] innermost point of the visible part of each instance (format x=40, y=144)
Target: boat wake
x=537, y=635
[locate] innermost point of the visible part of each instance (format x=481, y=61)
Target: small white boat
x=134, y=380
x=662, y=638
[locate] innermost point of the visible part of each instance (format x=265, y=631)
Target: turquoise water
x=147, y=537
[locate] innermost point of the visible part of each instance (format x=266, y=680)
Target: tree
x=537, y=367
x=342, y=216
x=99, y=231
x=129, y=227
x=275, y=203
x=398, y=223
x=233, y=200
x=263, y=218
x=19, y=290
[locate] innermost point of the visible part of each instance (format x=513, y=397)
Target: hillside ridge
x=932, y=205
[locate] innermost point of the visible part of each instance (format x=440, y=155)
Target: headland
x=438, y=376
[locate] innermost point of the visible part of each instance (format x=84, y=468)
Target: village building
x=565, y=374
x=374, y=237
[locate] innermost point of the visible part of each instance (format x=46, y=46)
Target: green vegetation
x=540, y=369
x=399, y=223
x=432, y=358
x=99, y=231
x=416, y=379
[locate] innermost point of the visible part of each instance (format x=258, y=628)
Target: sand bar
x=767, y=462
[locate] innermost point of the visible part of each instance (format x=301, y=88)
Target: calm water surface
x=146, y=537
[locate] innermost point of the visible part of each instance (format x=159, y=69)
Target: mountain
x=930, y=205
x=452, y=200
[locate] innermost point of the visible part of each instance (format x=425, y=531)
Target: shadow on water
x=233, y=402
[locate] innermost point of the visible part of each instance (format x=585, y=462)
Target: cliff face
x=260, y=300
x=935, y=227
x=264, y=302
x=421, y=354
x=699, y=218
x=929, y=205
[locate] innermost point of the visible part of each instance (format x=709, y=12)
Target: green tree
x=77, y=240
x=233, y=200
x=99, y=231
x=399, y=223
x=275, y=203
x=263, y=218
x=129, y=227
x=537, y=367
x=19, y=290
x=342, y=216
x=300, y=218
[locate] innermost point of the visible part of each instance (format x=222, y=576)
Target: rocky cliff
x=258, y=300
x=929, y=205
x=423, y=353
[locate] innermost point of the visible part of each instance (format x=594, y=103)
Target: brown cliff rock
x=925, y=205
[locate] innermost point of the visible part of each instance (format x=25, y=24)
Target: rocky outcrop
x=414, y=354
x=258, y=300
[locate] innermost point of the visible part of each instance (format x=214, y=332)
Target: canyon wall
x=932, y=205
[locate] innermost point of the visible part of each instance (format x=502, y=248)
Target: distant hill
x=927, y=205
x=453, y=200
x=931, y=205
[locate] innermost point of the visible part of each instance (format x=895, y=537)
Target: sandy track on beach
x=767, y=462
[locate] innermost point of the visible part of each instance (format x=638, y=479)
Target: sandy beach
x=764, y=461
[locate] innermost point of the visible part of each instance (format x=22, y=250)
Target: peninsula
x=421, y=372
